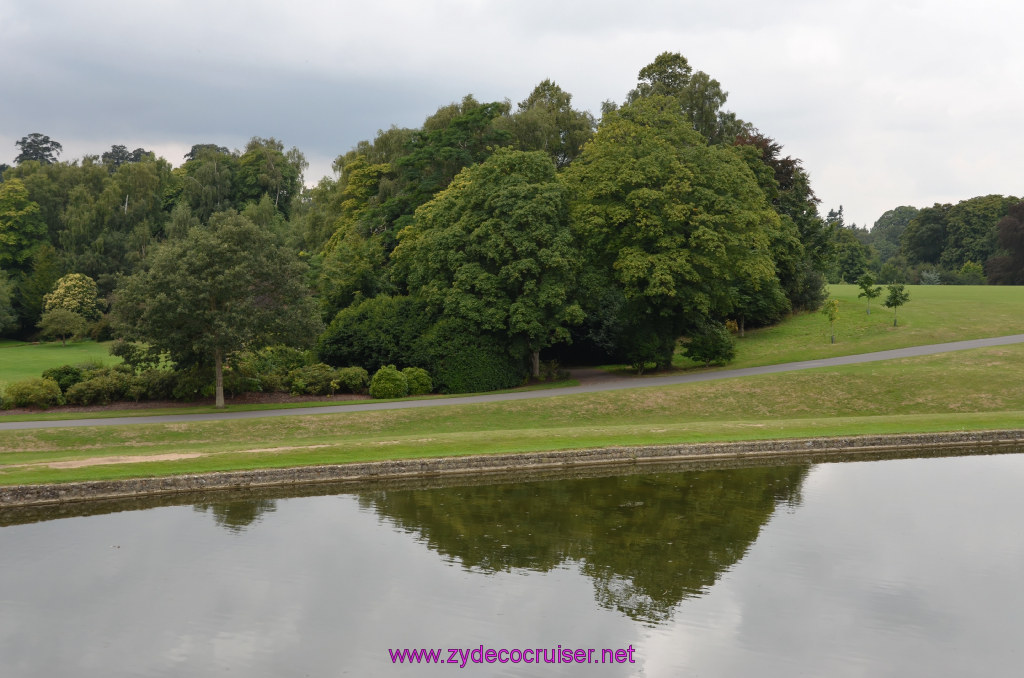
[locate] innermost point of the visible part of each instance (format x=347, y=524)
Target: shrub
x=35, y=392
x=375, y=332
x=462, y=361
x=102, y=388
x=101, y=330
x=419, y=380
x=352, y=379
x=193, y=383
x=66, y=376
x=388, y=382
x=135, y=355
x=153, y=385
x=551, y=370
x=318, y=379
x=712, y=343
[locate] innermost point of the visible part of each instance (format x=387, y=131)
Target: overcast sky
x=887, y=102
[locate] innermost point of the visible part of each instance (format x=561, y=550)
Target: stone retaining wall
x=51, y=494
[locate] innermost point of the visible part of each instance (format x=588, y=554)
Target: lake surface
x=909, y=567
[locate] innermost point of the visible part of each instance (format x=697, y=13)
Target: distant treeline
x=976, y=241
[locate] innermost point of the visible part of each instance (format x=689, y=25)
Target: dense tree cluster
x=970, y=243
x=467, y=246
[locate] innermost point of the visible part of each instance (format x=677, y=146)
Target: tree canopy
x=38, y=147
x=494, y=249
x=674, y=223
x=224, y=287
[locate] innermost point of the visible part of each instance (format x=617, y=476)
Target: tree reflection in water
x=238, y=515
x=647, y=541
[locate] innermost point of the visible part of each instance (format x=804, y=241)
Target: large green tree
x=1008, y=269
x=8, y=318
x=38, y=147
x=224, y=287
x=546, y=121
x=21, y=227
x=76, y=293
x=673, y=223
x=494, y=249
x=699, y=96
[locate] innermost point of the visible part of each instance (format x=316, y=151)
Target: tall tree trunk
x=535, y=362
x=218, y=363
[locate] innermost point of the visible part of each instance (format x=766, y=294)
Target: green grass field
x=935, y=314
x=19, y=360
x=967, y=390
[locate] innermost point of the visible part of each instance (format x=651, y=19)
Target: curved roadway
x=612, y=384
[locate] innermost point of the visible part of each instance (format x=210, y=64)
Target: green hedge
x=34, y=392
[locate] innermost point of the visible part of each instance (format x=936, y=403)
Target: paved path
x=613, y=383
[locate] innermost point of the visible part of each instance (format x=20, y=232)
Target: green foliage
x=551, y=370
x=679, y=224
x=35, y=392
x=712, y=344
x=971, y=273
x=318, y=379
x=352, y=379
x=699, y=96
x=76, y=293
x=218, y=290
x=461, y=361
x=61, y=323
x=897, y=297
x=193, y=383
x=265, y=170
x=1008, y=269
x=37, y=147
x=8, y=317
x=418, y=380
x=153, y=384
x=66, y=376
x=376, y=332
x=546, y=121
x=850, y=254
x=101, y=388
x=868, y=291
x=388, y=382
x=494, y=250
x=21, y=226
x=831, y=311
x=42, y=276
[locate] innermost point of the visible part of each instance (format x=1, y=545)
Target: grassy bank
x=19, y=360
x=968, y=390
x=936, y=314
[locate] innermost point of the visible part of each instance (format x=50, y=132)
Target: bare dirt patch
x=99, y=461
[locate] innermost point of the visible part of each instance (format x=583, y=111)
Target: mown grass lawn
x=19, y=360
x=935, y=314
x=967, y=390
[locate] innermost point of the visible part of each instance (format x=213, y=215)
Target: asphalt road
x=613, y=383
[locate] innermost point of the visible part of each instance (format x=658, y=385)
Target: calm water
x=889, y=568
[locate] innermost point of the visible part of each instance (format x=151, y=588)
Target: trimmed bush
x=318, y=379
x=35, y=392
x=388, y=382
x=352, y=379
x=419, y=380
x=66, y=376
x=101, y=389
